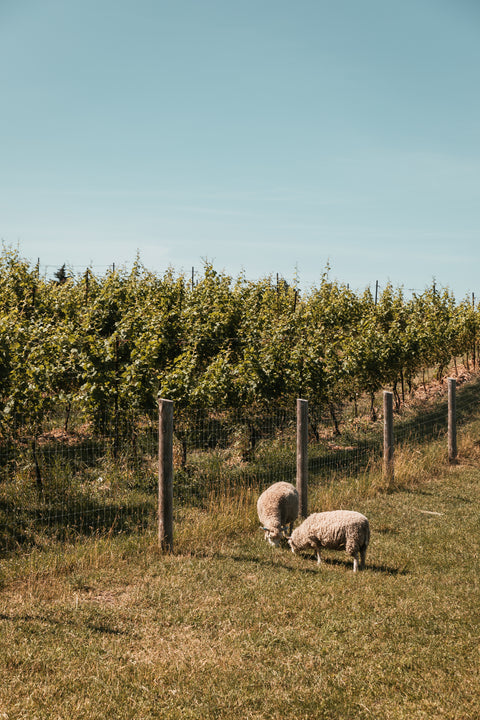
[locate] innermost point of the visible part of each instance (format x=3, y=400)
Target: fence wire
x=58, y=485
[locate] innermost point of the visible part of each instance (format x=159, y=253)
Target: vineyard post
x=452, y=421
x=165, y=474
x=388, y=435
x=474, y=349
x=302, y=456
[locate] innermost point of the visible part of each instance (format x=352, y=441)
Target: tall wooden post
x=452, y=421
x=302, y=456
x=474, y=347
x=388, y=435
x=165, y=474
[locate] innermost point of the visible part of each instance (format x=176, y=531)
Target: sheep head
x=272, y=535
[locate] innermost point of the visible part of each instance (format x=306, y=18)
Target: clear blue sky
x=264, y=135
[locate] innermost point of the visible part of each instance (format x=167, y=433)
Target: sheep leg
x=363, y=553
x=355, y=561
x=317, y=547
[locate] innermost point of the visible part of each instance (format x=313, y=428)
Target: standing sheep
x=277, y=508
x=336, y=530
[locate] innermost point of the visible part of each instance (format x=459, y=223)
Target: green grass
x=227, y=626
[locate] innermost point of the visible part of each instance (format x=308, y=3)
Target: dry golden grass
x=227, y=626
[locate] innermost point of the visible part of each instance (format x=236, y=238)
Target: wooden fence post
x=388, y=435
x=165, y=474
x=452, y=421
x=302, y=456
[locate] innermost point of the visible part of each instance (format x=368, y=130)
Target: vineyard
x=84, y=358
x=104, y=347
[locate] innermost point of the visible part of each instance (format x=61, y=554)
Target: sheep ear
x=262, y=528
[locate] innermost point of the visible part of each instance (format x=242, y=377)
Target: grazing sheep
x=277, y=509
x=336, y=530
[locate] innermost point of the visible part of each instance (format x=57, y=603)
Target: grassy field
x=229, y=627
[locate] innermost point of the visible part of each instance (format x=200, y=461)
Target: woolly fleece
x=336, y=530
x=277, y=507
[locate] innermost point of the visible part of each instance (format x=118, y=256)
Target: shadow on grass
x=24, y=528
x=100, y=628
x=327, y=561
x=263, y=562
x=348, y=565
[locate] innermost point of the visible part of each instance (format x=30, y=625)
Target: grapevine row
x=107, y=345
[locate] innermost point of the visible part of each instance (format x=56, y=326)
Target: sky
x=263, y=136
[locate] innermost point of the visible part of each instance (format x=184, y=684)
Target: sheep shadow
x=347, y=564
x=310, y=560
x=268, y=563
x=387, y=569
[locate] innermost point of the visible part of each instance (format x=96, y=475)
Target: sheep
x=336, y=530
x=277, y=509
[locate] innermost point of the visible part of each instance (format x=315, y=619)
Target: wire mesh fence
x=220, y=451
x=58, y=485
